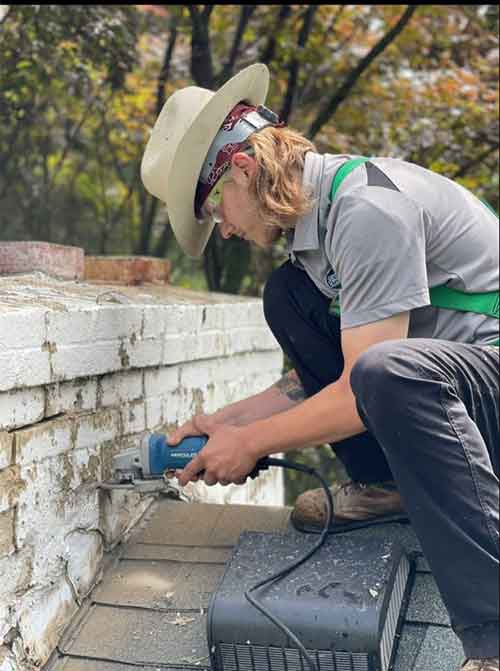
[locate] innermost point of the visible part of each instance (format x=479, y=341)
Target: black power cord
x=285, y=463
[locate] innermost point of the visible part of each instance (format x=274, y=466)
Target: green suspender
x=451, y=299
x=442, y=296
x=343, y=171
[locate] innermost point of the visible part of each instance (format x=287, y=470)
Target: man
x=388, y=310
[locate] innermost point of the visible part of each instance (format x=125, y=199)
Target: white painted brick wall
x=74, y=396
x=82, y=380
x=20, y=407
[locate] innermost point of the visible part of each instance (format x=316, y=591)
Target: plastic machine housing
x=344, y=604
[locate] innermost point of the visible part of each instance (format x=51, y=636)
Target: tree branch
x=245, y=16
x=201, y=54
x=70, y=139
x=340, y=95
x=165, y=68
x=147, y=220
x=295, y=65
x=207, y=10
x=267, y=54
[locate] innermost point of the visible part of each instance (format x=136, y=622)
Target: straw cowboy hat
x=180, y=141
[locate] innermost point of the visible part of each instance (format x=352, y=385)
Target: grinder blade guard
x=344, y=604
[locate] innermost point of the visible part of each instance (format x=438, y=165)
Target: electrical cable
x=285, y=463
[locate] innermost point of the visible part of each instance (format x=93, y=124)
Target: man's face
x=237, y=213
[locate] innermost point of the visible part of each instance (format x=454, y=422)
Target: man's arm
x=328, y=416
x=282, y=395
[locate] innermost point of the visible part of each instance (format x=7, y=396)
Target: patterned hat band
x=240, y=123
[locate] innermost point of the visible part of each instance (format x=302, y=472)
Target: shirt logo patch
x=331, y=279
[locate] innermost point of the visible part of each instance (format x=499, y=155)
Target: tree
x=51, y=98
x=82, y=85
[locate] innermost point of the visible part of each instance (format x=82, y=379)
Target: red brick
x=127, y=269
x=61, y=261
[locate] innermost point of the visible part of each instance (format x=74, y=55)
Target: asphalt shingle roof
x=149, y=611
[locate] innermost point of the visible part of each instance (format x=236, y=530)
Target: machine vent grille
x=393, y=611
x=237, y=657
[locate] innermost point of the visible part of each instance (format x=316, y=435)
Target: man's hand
x=225, y=459
x=198, y=425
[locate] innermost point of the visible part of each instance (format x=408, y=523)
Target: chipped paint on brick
x=6, y=449
x=83, y=553
x=11, y=485
x=197, y=401
x=42, y=618
x=7, y=532
x=124, y=356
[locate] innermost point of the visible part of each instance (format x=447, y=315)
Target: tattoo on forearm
x=290, y=385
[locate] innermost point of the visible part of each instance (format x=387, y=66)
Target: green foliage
x=80, y=86
x=60, y=67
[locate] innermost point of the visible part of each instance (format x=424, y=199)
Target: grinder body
x=138, y=466
x=159, y=456
x=154, y=456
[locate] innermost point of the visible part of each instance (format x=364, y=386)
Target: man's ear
x=243, y=167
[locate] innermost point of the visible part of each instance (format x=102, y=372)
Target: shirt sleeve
x=377, y=248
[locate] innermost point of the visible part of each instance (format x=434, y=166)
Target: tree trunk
x=144, y=244
x=201, y=53
x=245, y=16
x=293, y=76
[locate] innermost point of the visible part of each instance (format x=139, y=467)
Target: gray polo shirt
x=394, y=230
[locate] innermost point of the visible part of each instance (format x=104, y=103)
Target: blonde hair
x=277, y=184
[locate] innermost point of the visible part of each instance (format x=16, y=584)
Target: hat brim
x=250, y=85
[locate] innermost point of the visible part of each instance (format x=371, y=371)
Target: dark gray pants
x=431, y=408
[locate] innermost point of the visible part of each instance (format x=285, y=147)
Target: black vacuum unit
x=344, y=604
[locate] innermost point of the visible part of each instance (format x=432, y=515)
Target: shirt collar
x=306, y=232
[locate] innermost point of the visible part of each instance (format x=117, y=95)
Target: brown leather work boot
x=354, y=505
x=490, y=664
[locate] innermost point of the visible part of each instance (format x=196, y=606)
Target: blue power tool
x=143, y=468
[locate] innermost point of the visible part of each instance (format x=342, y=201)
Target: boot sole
x=337, y=527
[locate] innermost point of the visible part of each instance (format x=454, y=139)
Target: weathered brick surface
x=96, y=428
x=27, y=368
x=16, y=570
x=42, y=441
x=27, y=257
x=74, y=361
x=7, y=531
x=59, y=497
x=154, y=412
x=120, y=388
x=161, y=381
x=22, y=329
x=133, y=416
x=11, y=485
x=127, y=269
x=83, y=553
x=20, y=407
x=6, y=441
x=73, y=396
x=94, y=324
x=42, y=618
